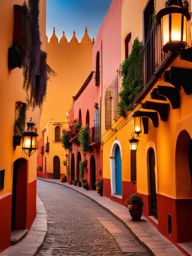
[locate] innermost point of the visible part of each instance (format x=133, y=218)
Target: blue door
x=118, y=175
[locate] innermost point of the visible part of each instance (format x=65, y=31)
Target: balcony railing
x=94, y=134
x=150, y=59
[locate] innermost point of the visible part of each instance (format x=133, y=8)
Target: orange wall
x=11, y=83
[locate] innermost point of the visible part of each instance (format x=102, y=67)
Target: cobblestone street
x=78, y=226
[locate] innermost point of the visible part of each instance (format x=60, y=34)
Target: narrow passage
x=79, y=226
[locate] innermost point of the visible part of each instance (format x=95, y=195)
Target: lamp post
x=173, y=20
x=29, y=144
x=133, y=143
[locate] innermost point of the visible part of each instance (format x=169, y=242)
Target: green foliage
x=132, y=84
x=66, y=140
x=19, y=125
x=83, y=138
x=135, y=201
x=77, y=125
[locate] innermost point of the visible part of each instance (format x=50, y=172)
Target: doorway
x=56, y=167
x=19, y=194
x=152, y=183
x=93, y=173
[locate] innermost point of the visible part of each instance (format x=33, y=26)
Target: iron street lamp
x=133, y=143
x=29, y=139
x=173, y=20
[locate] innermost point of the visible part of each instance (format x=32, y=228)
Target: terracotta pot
x=136, y=214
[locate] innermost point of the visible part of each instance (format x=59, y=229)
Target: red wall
x=128, y=188
x=5, y=221
x=31, y=203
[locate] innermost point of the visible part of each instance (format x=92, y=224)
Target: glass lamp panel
x=176, y=27
x=133, y=145
x=34, y=142
x=27, y=142
x=137, y=124
x=165, y=29
x=184, y=29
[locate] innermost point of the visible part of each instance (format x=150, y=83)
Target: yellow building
x=71, y=62
x=160, y=169
x=17, y=170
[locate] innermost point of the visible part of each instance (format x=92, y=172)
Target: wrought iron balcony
x=151, y=59
x=94, y=135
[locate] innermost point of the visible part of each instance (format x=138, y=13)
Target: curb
x=143, y=231
x=33, y=241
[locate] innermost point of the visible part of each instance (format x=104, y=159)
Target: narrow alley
x=74, y=226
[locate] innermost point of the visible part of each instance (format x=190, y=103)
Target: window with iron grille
x=108, y=109
x=97, y=124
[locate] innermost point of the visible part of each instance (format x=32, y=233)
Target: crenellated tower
x=72, y=62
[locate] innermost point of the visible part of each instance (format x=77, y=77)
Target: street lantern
x=137, y=125
x=173, y=20
x=133, y=143
x=29, y=139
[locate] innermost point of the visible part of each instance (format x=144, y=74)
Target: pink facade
x=86, y=110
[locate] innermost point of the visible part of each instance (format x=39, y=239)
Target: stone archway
x=72, y=167
x=93, y=172
x=183, y=164
x=152, y=183
x=78, y=165
x=56, y=167
x=19, y=194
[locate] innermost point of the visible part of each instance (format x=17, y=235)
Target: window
x=108, y=109
x=87, y=118
x=148, y=18
x=80, y=116
x=127, y=45
x=57, y=133
x=97, y=74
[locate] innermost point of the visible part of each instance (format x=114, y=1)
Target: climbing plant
x=83, y=138
x=66, y=140
x=132, y=72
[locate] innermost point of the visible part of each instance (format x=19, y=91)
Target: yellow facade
x=170, y=140
x=71, y=62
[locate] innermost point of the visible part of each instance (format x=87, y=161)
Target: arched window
x=87, y=118
x=127, y=45
x=57, y=133
x=97, y=74
x=80, y=117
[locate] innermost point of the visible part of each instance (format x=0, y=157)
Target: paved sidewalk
x=35, y=237
x=143, y=230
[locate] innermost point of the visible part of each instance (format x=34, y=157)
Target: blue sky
x=70, y=15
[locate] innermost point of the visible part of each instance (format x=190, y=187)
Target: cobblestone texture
x=78, y=226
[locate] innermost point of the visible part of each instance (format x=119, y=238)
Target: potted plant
x=85, y=184
x=79, y=184
x=99, y=186
x=64, y=178
x=135, y=206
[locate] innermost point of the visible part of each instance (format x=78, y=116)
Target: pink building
x=86, y=112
